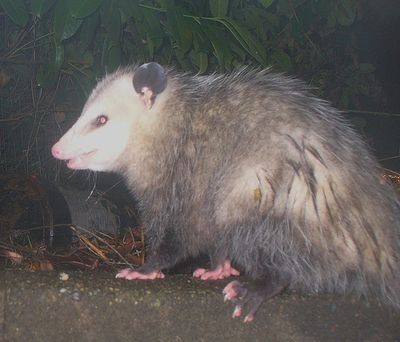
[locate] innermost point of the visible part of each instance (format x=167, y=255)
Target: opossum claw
x=131, y=274
x=222, y=271
x=237, y=312
x=252, y=298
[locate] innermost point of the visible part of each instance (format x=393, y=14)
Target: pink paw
x=130, y=274
x=222, y=271
x=236, y=292
x=252, y=297
x=231, y=291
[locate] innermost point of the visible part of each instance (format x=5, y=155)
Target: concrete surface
x=93, y=306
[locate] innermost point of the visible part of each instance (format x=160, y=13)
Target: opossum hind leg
x=223, y=270
x=252, y=296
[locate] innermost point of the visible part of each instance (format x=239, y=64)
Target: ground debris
x=88, y=250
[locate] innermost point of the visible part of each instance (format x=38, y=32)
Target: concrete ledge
x=96, y=307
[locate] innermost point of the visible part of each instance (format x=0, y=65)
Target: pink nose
x=56, y=151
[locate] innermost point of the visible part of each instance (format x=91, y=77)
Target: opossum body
x=247, y=167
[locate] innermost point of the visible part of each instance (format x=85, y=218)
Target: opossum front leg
x=131, y=274
x=223, y=270
x=150, y=270
x=252, y=296
x=162, y=257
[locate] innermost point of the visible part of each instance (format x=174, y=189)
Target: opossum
x=253, y=170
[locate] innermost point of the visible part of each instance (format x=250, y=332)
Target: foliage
x=52, y=52
x=84, y=38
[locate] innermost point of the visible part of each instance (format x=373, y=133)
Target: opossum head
x=102, y=132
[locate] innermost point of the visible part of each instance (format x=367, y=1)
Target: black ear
x=150, y=76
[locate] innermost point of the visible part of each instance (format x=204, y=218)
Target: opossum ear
x=149, y=80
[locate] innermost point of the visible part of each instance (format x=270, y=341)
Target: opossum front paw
x=131, y=274
x=250, y=297
x=222, y=271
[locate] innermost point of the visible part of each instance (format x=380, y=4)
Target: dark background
x=51, y=56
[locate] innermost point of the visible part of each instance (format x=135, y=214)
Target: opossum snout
x=57, y=152
x=75, y=159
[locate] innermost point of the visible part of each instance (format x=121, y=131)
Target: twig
x=76, y=228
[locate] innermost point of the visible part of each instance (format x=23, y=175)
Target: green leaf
x=285, y=7
x=110, y=16
x=60, y=19
x=219, y=8
x=306, y=16
x=48, y=72
x=254, y=21
x=71, y=26
x=203, y=61
x=114, y=58
x=87, y=59
x=113, y=25
x=88, y=31
x=282, y=60
x=16, y=10
x=221, y=51
x=128, y=7
x=76, y=55
x=238, y=51
x=104, y=51
x=200, y=60
x=153, y=29
x=331, y=22
x=272, y=20
x=86, y=8
x=181, y=28
x=46, y=75
x=200, y=42
x=150, y=46
x=40, y=7
x=244, y=37
x=183, y=60
x=324, y=7
x=84, y=82
x=266, y=3
x=65, y=25
x=59, y=57
x=297, y=31
x=345, y=12
x=164, y=3
x=147, y=31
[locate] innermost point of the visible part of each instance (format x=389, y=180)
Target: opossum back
x=297, y=189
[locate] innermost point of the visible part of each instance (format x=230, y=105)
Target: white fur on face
x=87, y=146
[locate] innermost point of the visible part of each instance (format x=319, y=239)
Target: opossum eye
x=101, y=120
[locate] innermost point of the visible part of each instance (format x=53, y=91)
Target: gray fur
x=250, y=167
